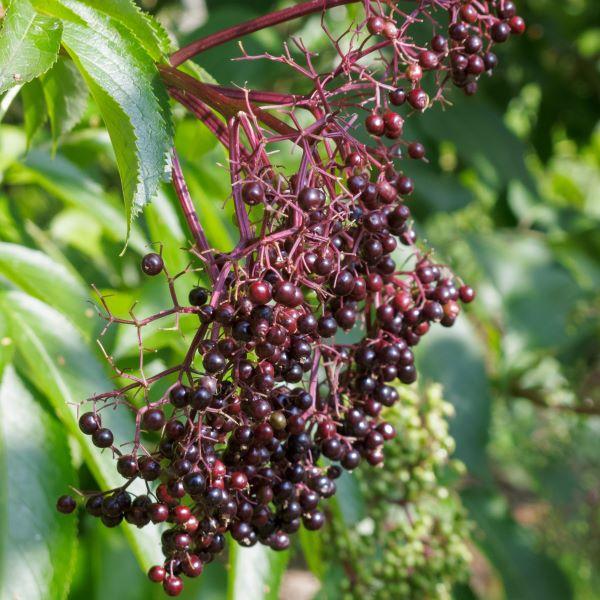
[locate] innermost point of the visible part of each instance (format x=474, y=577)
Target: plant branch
x=191, y=217
x=262, y=22
x=228, y=107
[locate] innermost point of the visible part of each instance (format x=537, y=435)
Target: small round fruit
x=397, y=97
x=198, y=296
x=260, y=292
x=418, y=99
x=152, y=264
x=172, y=585
x=375, y=124
x=156, y=573
x=66, y=504
x=102, y=438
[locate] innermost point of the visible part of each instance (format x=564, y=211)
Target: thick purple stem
x=268, y=20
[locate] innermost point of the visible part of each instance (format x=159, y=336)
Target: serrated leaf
x=55, y=358
x=66, y=97
x=143, y=26
x=34, y=108
x=37, y=274
x=126, y=86
x=255, y=573
x=29, y=44
x=37, y=543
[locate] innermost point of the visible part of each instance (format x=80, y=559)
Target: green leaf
x=66, y=97
x=455, y=358
x=40, y=276
x=526, y=574
x=165, y=228
x=498, y=162
x=37, y=543
x=311, y=543
x=255, y=573
x=137, y=116
x=64, y=180
x=537, y=292
x=143, y=26
x=55, y=358
x=29, y=44
x=34, y=108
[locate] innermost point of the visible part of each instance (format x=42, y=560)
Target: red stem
x=228, y=107
x=268, y=20
x=191, y=217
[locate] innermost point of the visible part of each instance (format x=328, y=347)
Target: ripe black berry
x=153, y=419
x=152, y=264
x=89, y=422
x=198, y=296
x=66, y=504
x=102, y=438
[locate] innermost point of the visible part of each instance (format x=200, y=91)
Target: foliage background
x=510, y=198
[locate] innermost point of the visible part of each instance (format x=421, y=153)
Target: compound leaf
x=29, y=44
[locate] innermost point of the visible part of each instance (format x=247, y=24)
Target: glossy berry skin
x=500, y=31
x=467, y=294
x=172, y=585
x=517, y=25
x=127, y=466
x=179, y=396
x=156, y=574
x=416, y=150
x=259, y=292
x=253, y=193
x=490, y=61
x=287, y=293
x=473, y=44
x=66, y=504
x=102, y=438
x=152, y=264
x=428, y=59
x=153, y=419
x=458, y=31
x=439, y=44
x=375, y=125
x=89, y=422
x=418, y=99
x=375, y=25
x=468, y=13
x=214, y=362
x=397, y=97
x=393, y=124
x=198, y=296
x=507, y=9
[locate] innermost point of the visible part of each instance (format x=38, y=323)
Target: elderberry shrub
x=272, y=400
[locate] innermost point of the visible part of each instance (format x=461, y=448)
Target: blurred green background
x=510, y=199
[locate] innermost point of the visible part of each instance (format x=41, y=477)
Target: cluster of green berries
x=415, y=542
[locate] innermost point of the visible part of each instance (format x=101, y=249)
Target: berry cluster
x=306, y=326
x=414, y=541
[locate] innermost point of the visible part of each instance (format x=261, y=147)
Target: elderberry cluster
x=414, y=541
x=307, y=327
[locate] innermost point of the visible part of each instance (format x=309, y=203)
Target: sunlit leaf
x=29, y=43
x=37, y=543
